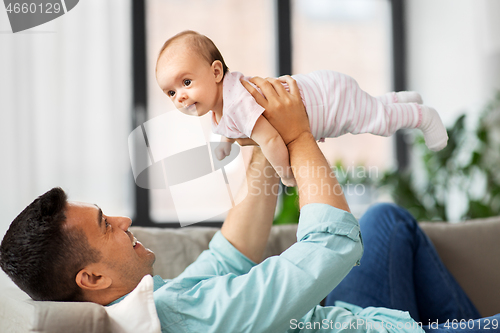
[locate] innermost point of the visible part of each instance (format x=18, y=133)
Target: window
x=352, y=37
x=244, y=33
x=248, y=33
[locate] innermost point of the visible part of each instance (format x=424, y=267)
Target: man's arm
x=248, y=224
x=281, y=287
x=315, y=179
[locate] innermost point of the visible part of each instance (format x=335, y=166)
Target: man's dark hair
x=41, y=256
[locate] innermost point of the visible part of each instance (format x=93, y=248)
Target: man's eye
x=187, y=82
x=171, y=93
x=107, y=224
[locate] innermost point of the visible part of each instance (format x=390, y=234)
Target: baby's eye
x=171, y=93
x=187, y=82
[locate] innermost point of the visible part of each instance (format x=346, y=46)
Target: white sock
x=435, y=135
x=409, y=97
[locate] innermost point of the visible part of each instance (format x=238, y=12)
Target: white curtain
x=65, y=109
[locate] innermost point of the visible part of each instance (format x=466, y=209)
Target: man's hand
x=284, y=110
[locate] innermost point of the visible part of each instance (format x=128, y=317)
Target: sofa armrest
x=471, y=252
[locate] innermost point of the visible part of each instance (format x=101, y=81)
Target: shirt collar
x=157, y=283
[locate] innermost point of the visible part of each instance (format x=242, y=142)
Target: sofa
x=470, y=250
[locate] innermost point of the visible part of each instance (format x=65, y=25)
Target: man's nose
x=123, y=222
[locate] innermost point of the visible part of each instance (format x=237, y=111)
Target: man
x=58, y=250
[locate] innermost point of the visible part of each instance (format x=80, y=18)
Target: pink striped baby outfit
x=334, y=103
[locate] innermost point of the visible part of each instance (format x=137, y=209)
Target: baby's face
x=188, y=80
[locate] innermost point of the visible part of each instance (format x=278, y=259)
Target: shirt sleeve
x=280, y=288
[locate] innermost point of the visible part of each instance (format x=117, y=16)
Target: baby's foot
x=409, y=97
x=435, y=135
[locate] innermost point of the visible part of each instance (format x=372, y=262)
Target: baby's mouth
x=190, y=109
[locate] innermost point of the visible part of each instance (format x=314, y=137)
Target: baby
x=191, y=71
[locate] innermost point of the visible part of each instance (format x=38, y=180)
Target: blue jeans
x=400, y=269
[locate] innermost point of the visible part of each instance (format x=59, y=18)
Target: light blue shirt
x=224, y=291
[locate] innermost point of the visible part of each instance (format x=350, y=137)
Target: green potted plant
x=464, y=174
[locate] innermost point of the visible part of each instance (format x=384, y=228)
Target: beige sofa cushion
x=471, y=252
x=175, y=249
x=72, y=317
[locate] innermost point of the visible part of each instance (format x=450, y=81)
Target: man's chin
x=152, y=259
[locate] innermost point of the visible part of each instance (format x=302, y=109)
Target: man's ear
x=217, y=70
x=89, y=279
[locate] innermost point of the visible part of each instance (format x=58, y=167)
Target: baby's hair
x=201, y=44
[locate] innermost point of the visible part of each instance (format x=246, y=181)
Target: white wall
x=65, y=102
x=454, y=53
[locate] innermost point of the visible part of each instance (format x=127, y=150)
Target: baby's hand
x=287, y=177
x=223, y=150
x=289, y=182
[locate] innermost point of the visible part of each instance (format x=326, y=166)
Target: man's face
x=188, y=80
x=123, y=262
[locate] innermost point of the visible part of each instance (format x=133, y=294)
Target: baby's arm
x=224, y=148
x=274, y=149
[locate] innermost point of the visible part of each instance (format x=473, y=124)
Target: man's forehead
x=82, y=205
x=81, y=213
